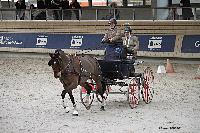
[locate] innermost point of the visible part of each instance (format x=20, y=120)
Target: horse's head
x=65, y=63
x=55, y=63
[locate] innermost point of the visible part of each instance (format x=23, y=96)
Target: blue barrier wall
x=191, y=44
x=148, y=43
x=158, y=43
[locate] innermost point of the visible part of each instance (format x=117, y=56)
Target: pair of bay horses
x=73, y=71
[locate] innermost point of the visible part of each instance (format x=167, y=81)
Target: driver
x=130, y=41
x=112, y=35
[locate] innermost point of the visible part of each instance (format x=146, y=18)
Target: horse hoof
x=75, y=113
x=88, y=107
x=67, y=109
x=102, y=108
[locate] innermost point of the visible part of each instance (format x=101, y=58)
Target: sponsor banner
x=52, y=41
x=157, y=43
x=191, y=44
x=152, y=43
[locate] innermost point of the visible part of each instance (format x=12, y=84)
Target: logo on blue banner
x=197, y=44
x=84, y=41
x=41, y=41
x=157, y=43
x=76, y=41
x=191, y=44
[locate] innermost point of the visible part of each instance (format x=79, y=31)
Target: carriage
x=120, y=70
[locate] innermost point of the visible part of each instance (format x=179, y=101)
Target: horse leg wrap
x=102, y=108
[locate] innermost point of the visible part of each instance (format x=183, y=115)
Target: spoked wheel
x=99, y=98
x=87, y=99
x=147, y=89
x=133, y=94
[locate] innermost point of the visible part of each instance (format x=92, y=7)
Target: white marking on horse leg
x=79, y=87
x=67, y=109
x=103, y=102
x=75, y=113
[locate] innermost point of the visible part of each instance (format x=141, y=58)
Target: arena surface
x=30, y=101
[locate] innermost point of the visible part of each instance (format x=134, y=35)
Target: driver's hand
x=103, y=41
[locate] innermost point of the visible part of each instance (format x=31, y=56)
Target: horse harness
x=70, y=69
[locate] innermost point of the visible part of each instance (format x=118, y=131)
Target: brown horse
x=75, y=70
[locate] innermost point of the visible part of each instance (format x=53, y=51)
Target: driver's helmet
x=112, y=20
x=127, y=29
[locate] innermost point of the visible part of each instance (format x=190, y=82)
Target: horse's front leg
x=75, y=113
x=63, y=101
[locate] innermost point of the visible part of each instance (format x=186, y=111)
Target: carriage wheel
x=87, y=99
x=108, y=89
x=133, y=94
x=147, y=91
